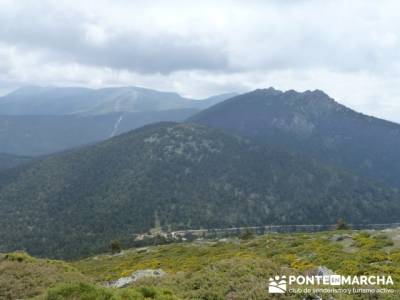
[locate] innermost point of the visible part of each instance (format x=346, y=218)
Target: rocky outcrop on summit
x=315, y=125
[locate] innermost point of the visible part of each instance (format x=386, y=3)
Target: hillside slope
x=313, y=124
x=175, y=176
x=85, y=101
x=9, y=161
x=228, y=268
x=40, y=134
x=24, y=277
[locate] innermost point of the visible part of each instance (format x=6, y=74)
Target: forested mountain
x=9, y=161
x=210, y=101
x=38, y=120
x=175, y=176
x=73, y=100
x=39, y=135
x=313, y=124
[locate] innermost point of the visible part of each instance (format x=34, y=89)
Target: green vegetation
x=208, y=269
x=23, y=276
x=342, y=225
x=173, y=176
x=345, y=252
x=312, y=124
x=46, y=134
x=239, y=269
x=36, y=121
x=115, y=246
x=8, y=161
x=82, y=291
x=247, y=234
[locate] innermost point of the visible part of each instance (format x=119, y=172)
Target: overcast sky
x=349, y=49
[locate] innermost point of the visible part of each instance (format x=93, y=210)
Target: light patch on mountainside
x=115, y=129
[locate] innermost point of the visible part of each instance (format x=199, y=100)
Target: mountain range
x=36, y=135
x=8, y=161
x=315, y=125
x=264, y=157
x=84, y=101
x=175, y=176
x=38, y=121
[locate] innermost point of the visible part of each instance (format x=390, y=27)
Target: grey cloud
x=351, y=49
x=62, y=37
x=260, y=35
x=164, y=54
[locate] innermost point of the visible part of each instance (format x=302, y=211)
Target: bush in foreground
x=82, y=291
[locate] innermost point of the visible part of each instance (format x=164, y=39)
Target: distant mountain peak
x=190, y=176
x=307, y=102
x=28, y=89
x=318, y=95
x=268, y=91
x=317, y=92
x=312, y=123
x=272, y=92
x=37, y=100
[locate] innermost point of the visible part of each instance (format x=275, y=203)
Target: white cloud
x=350, y=49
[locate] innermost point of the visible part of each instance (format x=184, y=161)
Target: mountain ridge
x=35, y=100
x=38, y=135
x=314, y=124
x=8, y=161
x=177, y=175
x=38, y=121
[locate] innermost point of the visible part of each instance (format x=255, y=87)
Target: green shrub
x=342, y=225
x=83, y=291
x=115, y=246
x=19, y=256
x=148, y=291
x=247, y=235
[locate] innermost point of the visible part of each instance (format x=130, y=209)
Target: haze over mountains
x=85, y=101
x=265, y=157
x=8, y=161
x=34, y=135
x=38, y=120
x=313, y=124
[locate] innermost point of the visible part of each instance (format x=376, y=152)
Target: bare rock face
x=324, y=271
x=319, y=271
x=125, y=281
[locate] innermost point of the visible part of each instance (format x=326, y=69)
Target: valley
x=179, y=203
x=199, y=150
x=175, y=176
x=36, y=121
